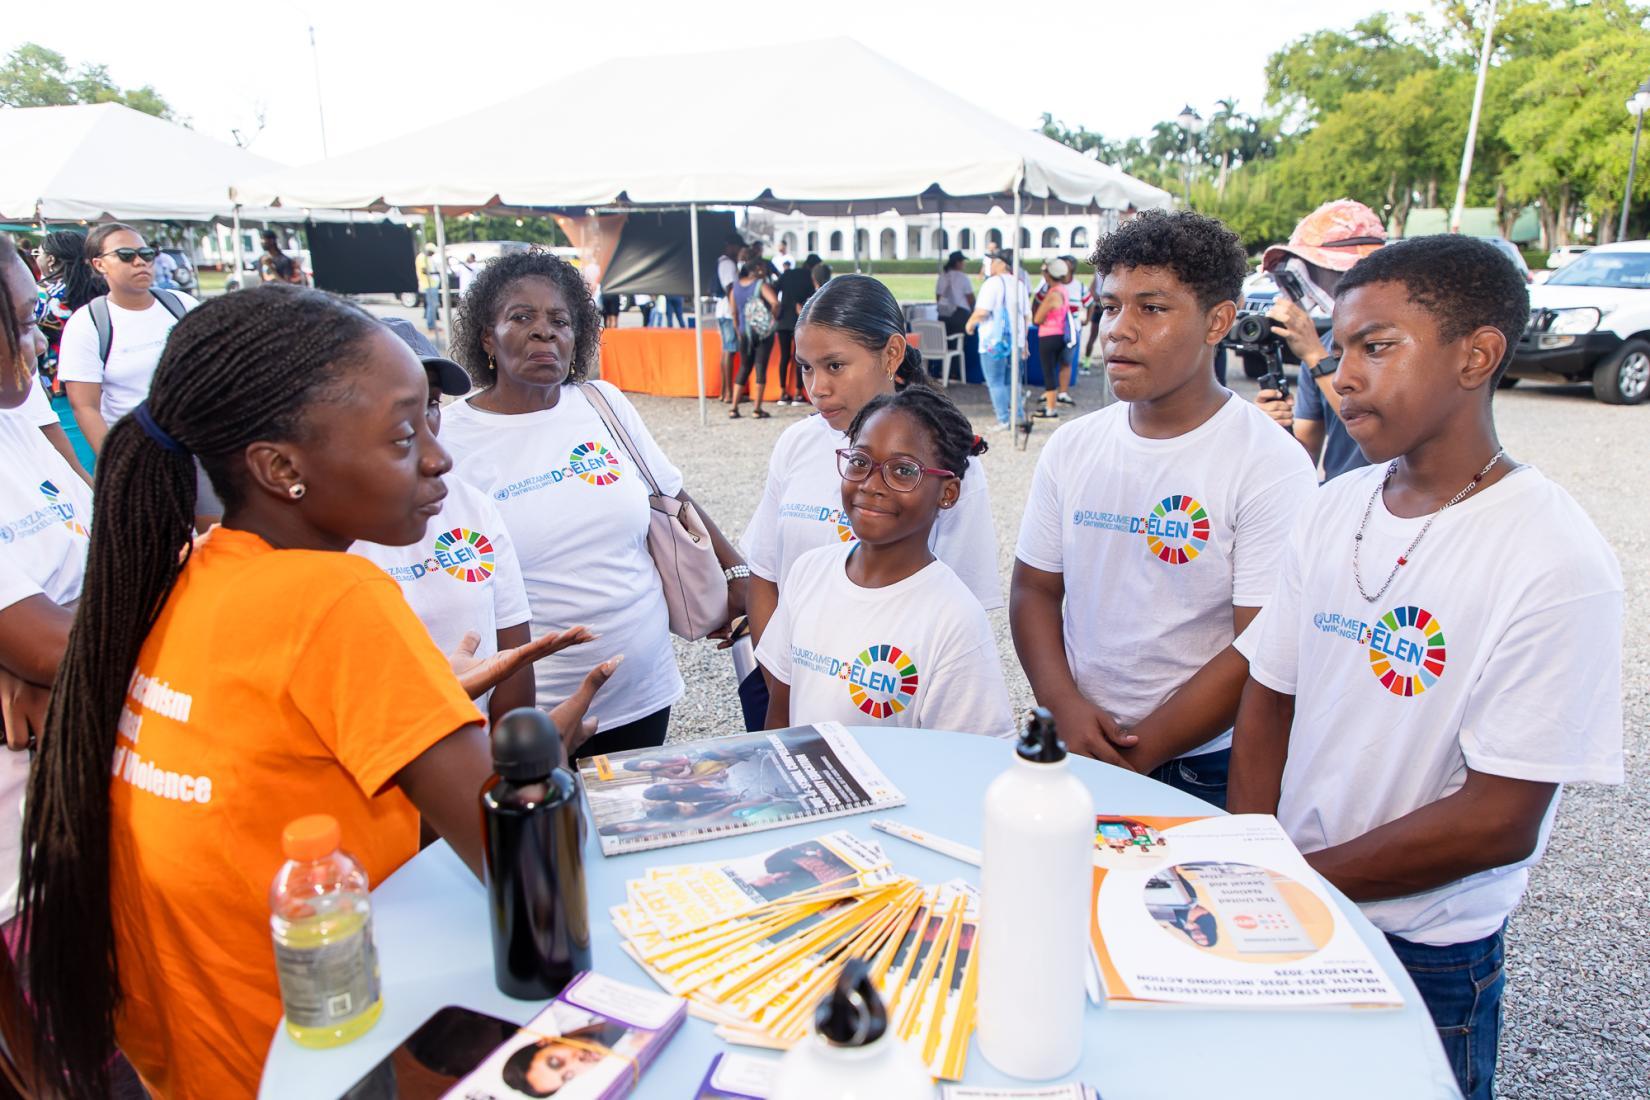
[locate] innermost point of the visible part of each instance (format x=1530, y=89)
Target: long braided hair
x=81, y=282
x=240, y=369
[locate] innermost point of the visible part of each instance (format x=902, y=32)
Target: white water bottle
x=1036, y=871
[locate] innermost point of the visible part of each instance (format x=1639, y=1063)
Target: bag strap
x=598, y=401
x=99, y=309
x=172, y=303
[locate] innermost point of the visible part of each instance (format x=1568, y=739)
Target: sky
x=389, y=69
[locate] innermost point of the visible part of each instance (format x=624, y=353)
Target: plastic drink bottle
x=850, y=1054
x=533, y=832
x=320, y=914
x=1036, y=871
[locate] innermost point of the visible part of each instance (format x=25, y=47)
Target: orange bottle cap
x=310, y=838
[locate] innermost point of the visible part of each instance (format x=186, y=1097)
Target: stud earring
x=296, y=492
x=492, y=364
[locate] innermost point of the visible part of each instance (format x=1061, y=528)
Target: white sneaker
x=996, y=427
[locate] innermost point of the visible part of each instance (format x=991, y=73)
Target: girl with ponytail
x=212, y=691
x=851, y=348
x=927, y=654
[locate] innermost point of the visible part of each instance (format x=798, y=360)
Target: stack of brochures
x=677, y=794
x=755, y=943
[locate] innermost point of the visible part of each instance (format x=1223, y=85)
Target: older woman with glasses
x=107, y=373
x=572, y=495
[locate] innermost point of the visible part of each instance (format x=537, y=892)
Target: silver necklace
x=1403, y=559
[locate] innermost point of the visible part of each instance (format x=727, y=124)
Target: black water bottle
x=534, y=859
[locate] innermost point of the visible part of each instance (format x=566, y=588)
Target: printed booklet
x=1221, y=911
x=677, y=794
x=592, y=1043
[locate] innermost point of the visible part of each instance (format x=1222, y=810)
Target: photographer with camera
x=1324, y=246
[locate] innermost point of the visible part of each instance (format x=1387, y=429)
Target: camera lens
x=1251, y=328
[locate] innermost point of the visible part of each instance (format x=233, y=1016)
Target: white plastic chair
x=935, y=344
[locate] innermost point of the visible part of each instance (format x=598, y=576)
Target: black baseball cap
x=449, y=376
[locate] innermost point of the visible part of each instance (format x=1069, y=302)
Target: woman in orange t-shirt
x=256, y=676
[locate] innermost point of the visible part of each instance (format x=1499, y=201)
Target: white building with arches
x=891, y=236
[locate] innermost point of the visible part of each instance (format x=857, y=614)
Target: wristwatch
x=1326, y=366
x=737, y=572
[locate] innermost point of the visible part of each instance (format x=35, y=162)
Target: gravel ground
x=1578, y=1001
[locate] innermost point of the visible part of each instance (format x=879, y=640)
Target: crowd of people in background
x=319, y=557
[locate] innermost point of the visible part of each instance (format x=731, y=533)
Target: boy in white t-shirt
x=1443, y=650
x=462, y=579
x=880, y=631
x=1154, y=527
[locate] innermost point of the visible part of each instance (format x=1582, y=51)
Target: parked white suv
x=1591, y=323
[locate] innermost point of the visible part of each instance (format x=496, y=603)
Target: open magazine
x=677, y=794
x=1221, y=911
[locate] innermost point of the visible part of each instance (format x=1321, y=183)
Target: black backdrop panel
x=652, y=254
x=362, y=257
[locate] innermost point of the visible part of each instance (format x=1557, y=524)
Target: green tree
x=33, y=76
x=1308, y=79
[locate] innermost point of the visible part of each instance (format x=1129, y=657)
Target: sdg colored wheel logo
x=1406, y=650
x=593, y=462
x=1177, y=530
x=882, y=681
x=466, y=555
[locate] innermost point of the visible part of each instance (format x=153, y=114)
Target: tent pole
x=1018, y=347
x=236, y=242
x=441, y=266
x=698, y=312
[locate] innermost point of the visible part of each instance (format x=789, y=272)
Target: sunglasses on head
x=128, y=255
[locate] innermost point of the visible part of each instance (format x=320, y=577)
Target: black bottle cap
x=1039, y=741
x=526, y=746
x=852, y=1014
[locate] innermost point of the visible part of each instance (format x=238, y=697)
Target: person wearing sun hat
x=1325, y=245
x=462, y=579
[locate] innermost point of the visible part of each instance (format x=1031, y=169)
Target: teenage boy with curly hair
x=1443, y=649
x=1154, y=526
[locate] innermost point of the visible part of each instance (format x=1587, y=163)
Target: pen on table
x=928, y=840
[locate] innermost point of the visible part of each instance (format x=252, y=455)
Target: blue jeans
x=432, y=307
x=1461, y=984
x=1203, y=775
x=997, y=373
x=673, y=311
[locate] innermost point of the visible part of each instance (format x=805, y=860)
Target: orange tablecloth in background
x=660, y=361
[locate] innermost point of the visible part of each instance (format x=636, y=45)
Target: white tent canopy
x=880, y=138
x=104, y=160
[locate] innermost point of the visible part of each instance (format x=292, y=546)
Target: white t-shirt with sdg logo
x=462, y=575
x=801, y=509
x=45, y=511
x=577, y=512
x=916, y=654
x=1497, y=648
x=1158, y=539
x=137, y=338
